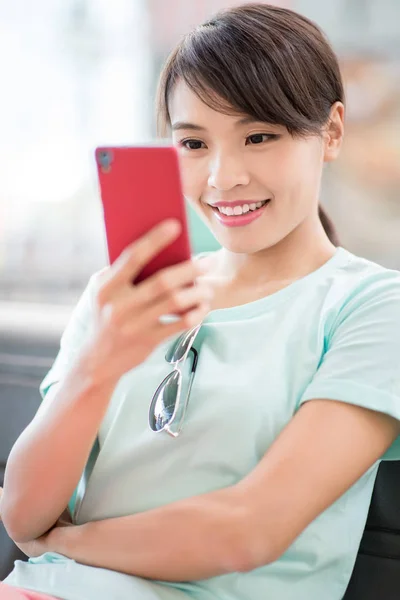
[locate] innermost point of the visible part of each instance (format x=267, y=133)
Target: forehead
x=185, y=105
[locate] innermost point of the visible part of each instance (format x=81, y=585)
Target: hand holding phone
x=148, y=246
x=128, y=324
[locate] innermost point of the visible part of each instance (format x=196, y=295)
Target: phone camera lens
x=105, y=159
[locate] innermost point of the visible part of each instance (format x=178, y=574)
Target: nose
x=227, y=171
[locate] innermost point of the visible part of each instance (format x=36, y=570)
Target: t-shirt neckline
x=251, y=309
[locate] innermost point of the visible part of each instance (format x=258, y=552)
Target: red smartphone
x=140, y=187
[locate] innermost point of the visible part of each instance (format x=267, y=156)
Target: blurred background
x=77, y=73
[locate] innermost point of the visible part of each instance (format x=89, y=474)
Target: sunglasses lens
x=164, y=401
x=179, y=349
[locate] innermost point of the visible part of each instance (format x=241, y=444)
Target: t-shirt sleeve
x=75, y=335
x=361, y=364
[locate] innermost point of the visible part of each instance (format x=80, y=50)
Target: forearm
x=47, y=460
x=192, y=539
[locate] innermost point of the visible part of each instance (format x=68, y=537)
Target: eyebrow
x=178, y=125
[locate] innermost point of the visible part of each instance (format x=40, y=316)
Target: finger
x=167, y=281
x=187, y=321
x=164, y=330
x=131, y=300
x=137, y=255
x=178, y=303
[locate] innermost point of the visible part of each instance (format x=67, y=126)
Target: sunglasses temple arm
x=186, y=401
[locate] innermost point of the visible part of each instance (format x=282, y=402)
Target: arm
x=47, y=460
x=248, y=525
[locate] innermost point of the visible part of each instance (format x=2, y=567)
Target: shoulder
x=371, y=282
x=357, y=276
x=362, y=287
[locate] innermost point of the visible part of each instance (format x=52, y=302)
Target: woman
x=296, y=398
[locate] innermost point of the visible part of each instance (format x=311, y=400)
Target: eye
x=260, y=138
x=191, y=144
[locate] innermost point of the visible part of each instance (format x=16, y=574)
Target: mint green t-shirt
x=334, y=334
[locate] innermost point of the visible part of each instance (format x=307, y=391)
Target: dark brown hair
x=270, y=63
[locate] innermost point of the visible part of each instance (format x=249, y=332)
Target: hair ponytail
x=328, y=226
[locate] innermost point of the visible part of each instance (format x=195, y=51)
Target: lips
x=238, y=220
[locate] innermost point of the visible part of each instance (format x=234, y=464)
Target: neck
x=304, y=250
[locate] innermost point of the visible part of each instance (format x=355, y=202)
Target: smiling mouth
x=239, y=210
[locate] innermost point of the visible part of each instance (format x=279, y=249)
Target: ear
x=334, y=132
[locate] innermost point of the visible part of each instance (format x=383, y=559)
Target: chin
x=245, y=244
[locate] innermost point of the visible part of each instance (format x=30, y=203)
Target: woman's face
x=238, y=162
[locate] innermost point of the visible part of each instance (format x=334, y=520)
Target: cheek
x=194, y=178
x=297, y=167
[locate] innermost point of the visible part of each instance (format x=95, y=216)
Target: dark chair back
x=23, y=364
x=376, y=574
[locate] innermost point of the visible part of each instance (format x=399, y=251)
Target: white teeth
x=240, y=210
